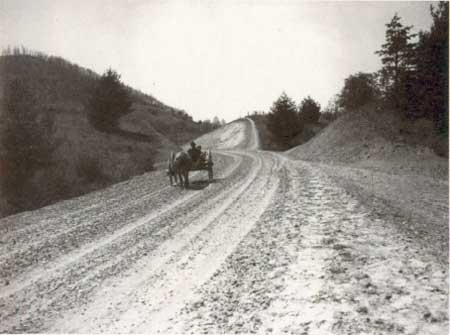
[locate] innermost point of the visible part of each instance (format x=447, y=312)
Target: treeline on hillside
x=412, y=83
x=413, y=80
x=285, y=120
x=52, y=80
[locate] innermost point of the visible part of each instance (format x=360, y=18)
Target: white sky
x=223, y=58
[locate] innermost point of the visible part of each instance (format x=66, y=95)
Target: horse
x=179, y=165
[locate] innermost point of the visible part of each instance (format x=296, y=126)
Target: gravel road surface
x=272, y=245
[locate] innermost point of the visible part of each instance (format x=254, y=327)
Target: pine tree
x=109, y=102
x=282, y=121
x=397, y=56
x=309, y=111
x=432, y=86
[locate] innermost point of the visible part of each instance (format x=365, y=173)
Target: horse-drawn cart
x=181, y=163
x=204, y=163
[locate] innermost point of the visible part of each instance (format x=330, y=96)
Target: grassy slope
x=86, y=158
x=378, y=141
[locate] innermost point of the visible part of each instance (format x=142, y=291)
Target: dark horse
x=179, y=165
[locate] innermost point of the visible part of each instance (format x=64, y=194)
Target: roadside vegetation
x=412, y=85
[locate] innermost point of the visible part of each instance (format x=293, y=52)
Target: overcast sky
x=223, y=58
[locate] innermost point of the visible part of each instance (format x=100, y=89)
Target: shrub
x=110, y=101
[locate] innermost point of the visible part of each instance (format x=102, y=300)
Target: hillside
x=87, y=159
x=378, y=141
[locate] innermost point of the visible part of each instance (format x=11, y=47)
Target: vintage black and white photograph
x=224, y=167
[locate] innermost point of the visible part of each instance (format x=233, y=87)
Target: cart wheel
x=209, y=157
x=210, y=174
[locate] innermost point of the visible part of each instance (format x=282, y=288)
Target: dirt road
x=273, y=245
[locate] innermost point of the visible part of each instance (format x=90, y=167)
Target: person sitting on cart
x=195, y=151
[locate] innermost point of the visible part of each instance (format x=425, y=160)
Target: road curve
x=269, y=246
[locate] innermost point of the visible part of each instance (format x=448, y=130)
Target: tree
x=28, y=143
x=109, y=102
x=309, y=111
x=359, y=89
x=397, y=56
x=282, y=121
x=431, y=61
